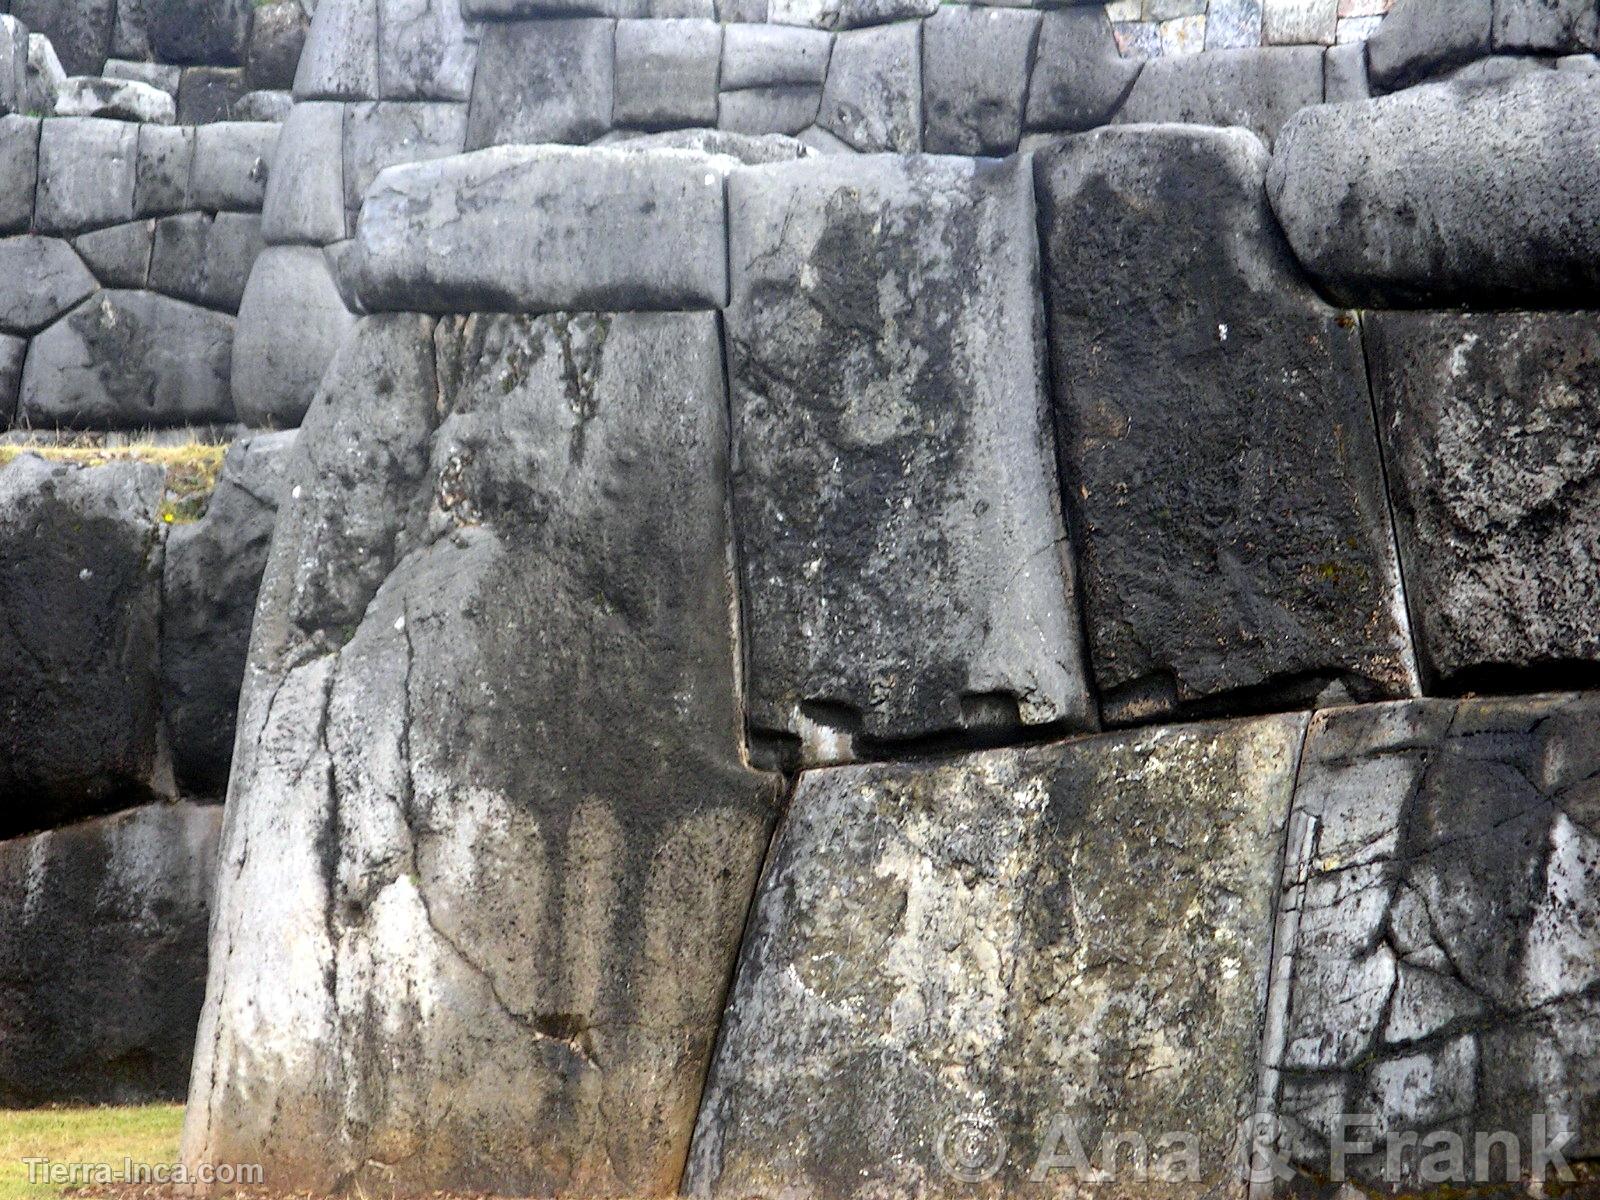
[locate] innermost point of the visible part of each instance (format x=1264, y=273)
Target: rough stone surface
x=1545, y=26
x=117, y=99
x=130, y=360
x=205, y=258
x=340, y=58
x=45, y=75
x=19, y=172
x=667, y=73
x=80, y=587
x=161, y=76
x=546, y=228
x=13, y=65
x=988, y=943
x=209, y=33
x=1446, y=194
x=291, y=322
x=1079, y=77
x=903, y=555
x=1440, y=962
x=424, y=52
x=786, y=109
x=277, y=37
x=80, y=30
x=847, y=14
x=975, y=78
x=40, y=278
x=873, y=96
x=1216, y=434
x=387, y=133
x=103, y=956
x=232, y=160
x=86, y=174
x=1344, y=73
x=479, y=879
x=164, y=166
x=1491, y=424
x=769, y=55
x=1422, y=37
x=213, y=570
x=274, y=106
x=119, y=256
x=1259, y=89
x=542, y=81
x=208, y=94
x=753, y=150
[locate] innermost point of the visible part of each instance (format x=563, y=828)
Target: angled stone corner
x=491, y=835
x=947, y=959
x=905, y=562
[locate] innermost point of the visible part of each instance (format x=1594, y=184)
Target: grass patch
x=144, y=1133
x=192, y=470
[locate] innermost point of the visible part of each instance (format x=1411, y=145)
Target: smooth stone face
x=768, y=55
x=277, y=37
x=103, y=956
x=19, y=171
x=542, y=81
x=340, y=58
x=130, y=360
x=873, y=96
x=119, y=256
x=667, y=73
x=1448, y=196
x=387, y=133
x=1216, y=437
x=80, y=30
x=165, y=165
x=1079, y=76
x=975, y=78
x=305, y=200
x=213, y=571
x=211, y=33
x=291, y=322
x=546, y=228
x=1439, y=955
x=117, y=99
x=86, y=174
x=786, y=109
x=1259, y=89
x=232, y=160
x=498, y=918
x=1420, y=38
x=40, y=278
x=902, y=549
x=1491, y=427
x=205, y=259
x=80, y=575
x=847, y=14
x=1344, y=73
x=424, y=52
x=949, y=957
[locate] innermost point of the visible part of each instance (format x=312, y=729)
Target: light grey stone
x=40, y=278
x=19, y=171
x=160, y=76
x=493, y=11
x=1586, y=64
x=1233, y=24
x=80, y=575
x=130, y=31
x=45, y=75
x=666, y=73
x=129, y=360
x=847, y=14
x=750, y=149
x=165, y=166
x=1447, y=195
x=264, y=106
x=205, y=258
x=768, y=55
x=822, y=142
x=232, y=160
x=117, y=99
x=12, y=352
x=1258, y=89
x=340, y=58
x=1420, y=38
x=1438, y=955
x=975, y=78
x=1079, y=76
x=1344, y=73
x=1224, y=482
x=1299, y=22
x=386, y=133
x=305, y=199
x=543, y=81
x=947, y=959
x=785, y=109
x=1545, y=26
x=118, y=256
x=1497, y=70
x=901, y=542
x=13, y=65
x=103, y=956
x=593, y=230
x=424, y=51
x=873, y=96
x=559, y=859
x=86, y=174
x=80, y=30
x=291, y=322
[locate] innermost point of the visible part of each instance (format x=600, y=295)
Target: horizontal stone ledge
x=545, y=229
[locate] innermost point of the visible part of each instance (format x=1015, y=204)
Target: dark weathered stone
x=1420, y=38
x=785, y=109
x=80, y=30
x=1216, y=435
x=205, y=258
x=19, y=171
x=491, y=839
x=1439, y=935
x=103, y=956
x=119, y=256
x=277, y=35
x=1447, y=195
x=1079, y=76
x=208, y=33
x=208, y=94
x=542, y=81
x=12, y=352
x=667, y=73
x=903, y=554
x=40, y=278
x=1491, y=425
x=945, y=960
x=873, y=96
x=80, y=587
x=1545, y=26
x=213, y=570
x=757, y=56
x=975, y=78
x=1259, y=89
x=165, y=163
x=291, y=322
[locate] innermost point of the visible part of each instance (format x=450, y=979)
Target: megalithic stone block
x=1217, y=437
x=946, y=961
x=491, y=837
x=543, y=81
x=1439, y=936
x=903, y=552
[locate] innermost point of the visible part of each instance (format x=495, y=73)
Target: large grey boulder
x=1447, y=195
x=45, y=75
x=947, y=960
x=213, y=571
x=786, y=109
x=116, y=99
x=103, y=956
x=19, y=171
x=425, y=51
x=543, y=81
x=277, y=37
x=752, y=150
x=232, y=161
x=545, y=228
x=164, y=167
x=873, y=95
x=1259, y=89
x=130, y=360
x=207, y=95
x=666, y=73
x=1420, y=38
x=386, y=133
x=80, y=583
x=1545, y=26
x=205, y=258
x=758, y=56
x=905, y=565
x=1217, y=440
x=1491, y=427
x=120, y=255
x=340, y=57
x=40, y=278
x=13, y=65
x=162, y=76
x=305, y=199
x=975, y=64
x=1439, y=961
x=87, y=171
x=80, y=30
x=292, y=320
x=491, y=840
x=210, y=33
x=1079, y=77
